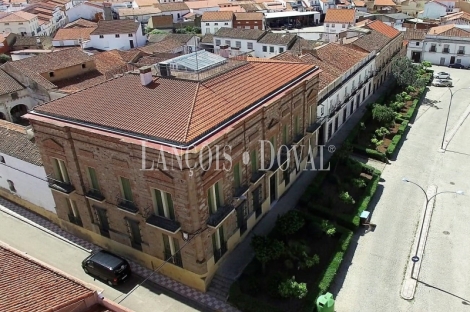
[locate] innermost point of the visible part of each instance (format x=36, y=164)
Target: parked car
x=442, y=83
x=108, y=267
x=442, y=75
x=457, y=65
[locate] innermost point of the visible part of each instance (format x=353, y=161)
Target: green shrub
x=289, y=223
x=330, y=272
x=383, y=114
x=358, y=183
x=273, y=281
x=346, y=198
x=370, y=153
x=247, y=303
x=402, y=127
x=369, y=192
x=266, y=249
x=393, y=145
x=292, y=289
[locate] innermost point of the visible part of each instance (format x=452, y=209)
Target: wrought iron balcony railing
x=61, y=186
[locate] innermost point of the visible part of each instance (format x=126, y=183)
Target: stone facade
x=383, y=62
x=114, y=156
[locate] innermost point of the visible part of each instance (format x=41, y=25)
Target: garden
x=299, y=259
x=383, y=126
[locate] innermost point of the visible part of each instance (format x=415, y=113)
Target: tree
x=407, y=74
x=289, y=223
x=426, y=64
x=292, y=289
x=343, y=153
x=383, y=114
x=266, y=249
x=4, y=58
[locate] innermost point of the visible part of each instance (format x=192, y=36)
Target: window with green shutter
x=254, y=162
x=163, y=204
x=93, y=179
x=126, y=189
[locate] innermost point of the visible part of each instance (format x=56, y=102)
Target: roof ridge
x=193, y=105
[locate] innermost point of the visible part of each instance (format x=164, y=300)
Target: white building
x=117, y=34
x=237, y=39
x=211, y=22
x=447, y=44
x=20, y=22
x=433, y=10
x=87, y=10
x=138, y=14
x=176, y=9
x=69, y=37
x=415, y=38
x=272, y=44
x=338, y=21
x=22, y=175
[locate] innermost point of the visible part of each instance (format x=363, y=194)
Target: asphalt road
x=67, y=258
x=372, y=275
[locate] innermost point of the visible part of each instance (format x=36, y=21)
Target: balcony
x=218, y=253
x=298, y=138
x=163, y=223
x=460, y=52
x=60, y=186
x=95, y=195
x=174, y=259
x=127, y=205
x=75, y=220
x=240, y=191
x=219, y=216
x=256, y=176
x=314, y=126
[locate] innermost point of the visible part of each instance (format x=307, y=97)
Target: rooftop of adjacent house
x=234, y=9
x=217, y=16
x=194, y=5
x=33, y=67
x=398, y=16
x=459, y=15
x=8, y=84
x=182, y=110
x=125, y=26
x=183, y=38
x=240, y=33
x=284, y=39
x=31, y=285
x=383, y=28
x=359, y=3
x=389, y=3
x=138, y=11
x=165, y=46
x=414, y=34
x=18, y=16
x=208, y=38
x=143, y=3
x=248, y=16
x=450, y=30
x=73, y=34
x=81, y=22
x=16, y=143
x=340, y=16
x=304, y=44
x=171, y=7
x=372, y=41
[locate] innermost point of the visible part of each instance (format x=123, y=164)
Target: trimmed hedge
x=368, y=194
x=393, y=145
x=247, y=303
x=370, y=152
x=403, y=126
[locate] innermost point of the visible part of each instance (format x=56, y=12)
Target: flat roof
x=288, y=14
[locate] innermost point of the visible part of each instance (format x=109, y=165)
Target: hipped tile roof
x=16, y=143
x=449, y=31
x=372, y=41
x=81, y=22
x=340, y=16
x=240, y=33
x=384, y=3
x=18, y=16
x=249, y=16
x=383, y=28
x=165, y=46
x=73, y=33
x=414, y=34
x=217, y=16
x=182, y=110
x=174, y=6
x=125, y=26
x=278, y=39
x=8, y=84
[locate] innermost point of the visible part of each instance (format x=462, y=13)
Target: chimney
x=108, y=13
x=145, y=76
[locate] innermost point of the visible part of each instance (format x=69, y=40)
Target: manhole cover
x=446, y=232
x=452, y=183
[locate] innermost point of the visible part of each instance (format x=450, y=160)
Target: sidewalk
x=242, y=255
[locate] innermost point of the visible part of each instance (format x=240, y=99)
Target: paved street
x=68, y=258
x=372, y=275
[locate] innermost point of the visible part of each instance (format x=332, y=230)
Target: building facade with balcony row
x=102, y=192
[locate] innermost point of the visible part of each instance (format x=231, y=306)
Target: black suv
x=107, y=267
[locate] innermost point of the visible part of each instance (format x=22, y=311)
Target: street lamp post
x=415, y=258
x=448, y=113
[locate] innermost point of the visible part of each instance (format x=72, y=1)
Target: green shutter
x=214, y=242
x=93, y=179
x=158, y=201
x=222, y=238
x=171, y=210
x=55, y=165
x=126, y=189
x=210, y=201
x=166, y=244
x=217, y=195
x=236, y=175
x=254, y=162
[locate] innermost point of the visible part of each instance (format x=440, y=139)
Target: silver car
x=442, y=75
x=442, y=83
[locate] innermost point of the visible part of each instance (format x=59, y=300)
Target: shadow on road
x=464, y=301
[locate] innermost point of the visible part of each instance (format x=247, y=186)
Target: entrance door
x=443, y=61
x=416, y=57
x=256, y=197
x=103, y=219
x=272, y=188
x=321, y=135
x=218, y=243
x=131, y=44
x=136, y=239
x=242, y=215
x=452, y=59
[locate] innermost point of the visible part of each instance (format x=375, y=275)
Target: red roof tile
x=384, y=3
x=340, y=16
x=73, y=33
x=383, y=28
x=182, y=110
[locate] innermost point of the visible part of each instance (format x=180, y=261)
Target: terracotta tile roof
x=384, y=29
x=251, y=16
x=240, y=33
x=73, y=33
x=125, y=26
x=253, y=7
x=217, y=16
x=204, y=4
x=288, y=56
x=278, y=39
x=373, y=41
x=143, y=3
x=8, y=84
x=138, y=11
x=359, y=3
x=183, y=38
x=449, y=31
x=165, y=46
x=363, y=23
x=234, y=9
x=340, y=16
x=174, y=6
x=155, y=58
x=30, y=41
x=414, y=34
x=183, y=110
x=18, y=16
x=33, y=67
x=208, y=38
x=81, y=22
x=384, y=3
x=459, y=15
x=301, y=43
x=15, y=143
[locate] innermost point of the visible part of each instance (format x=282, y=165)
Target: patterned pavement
x=212, y=303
